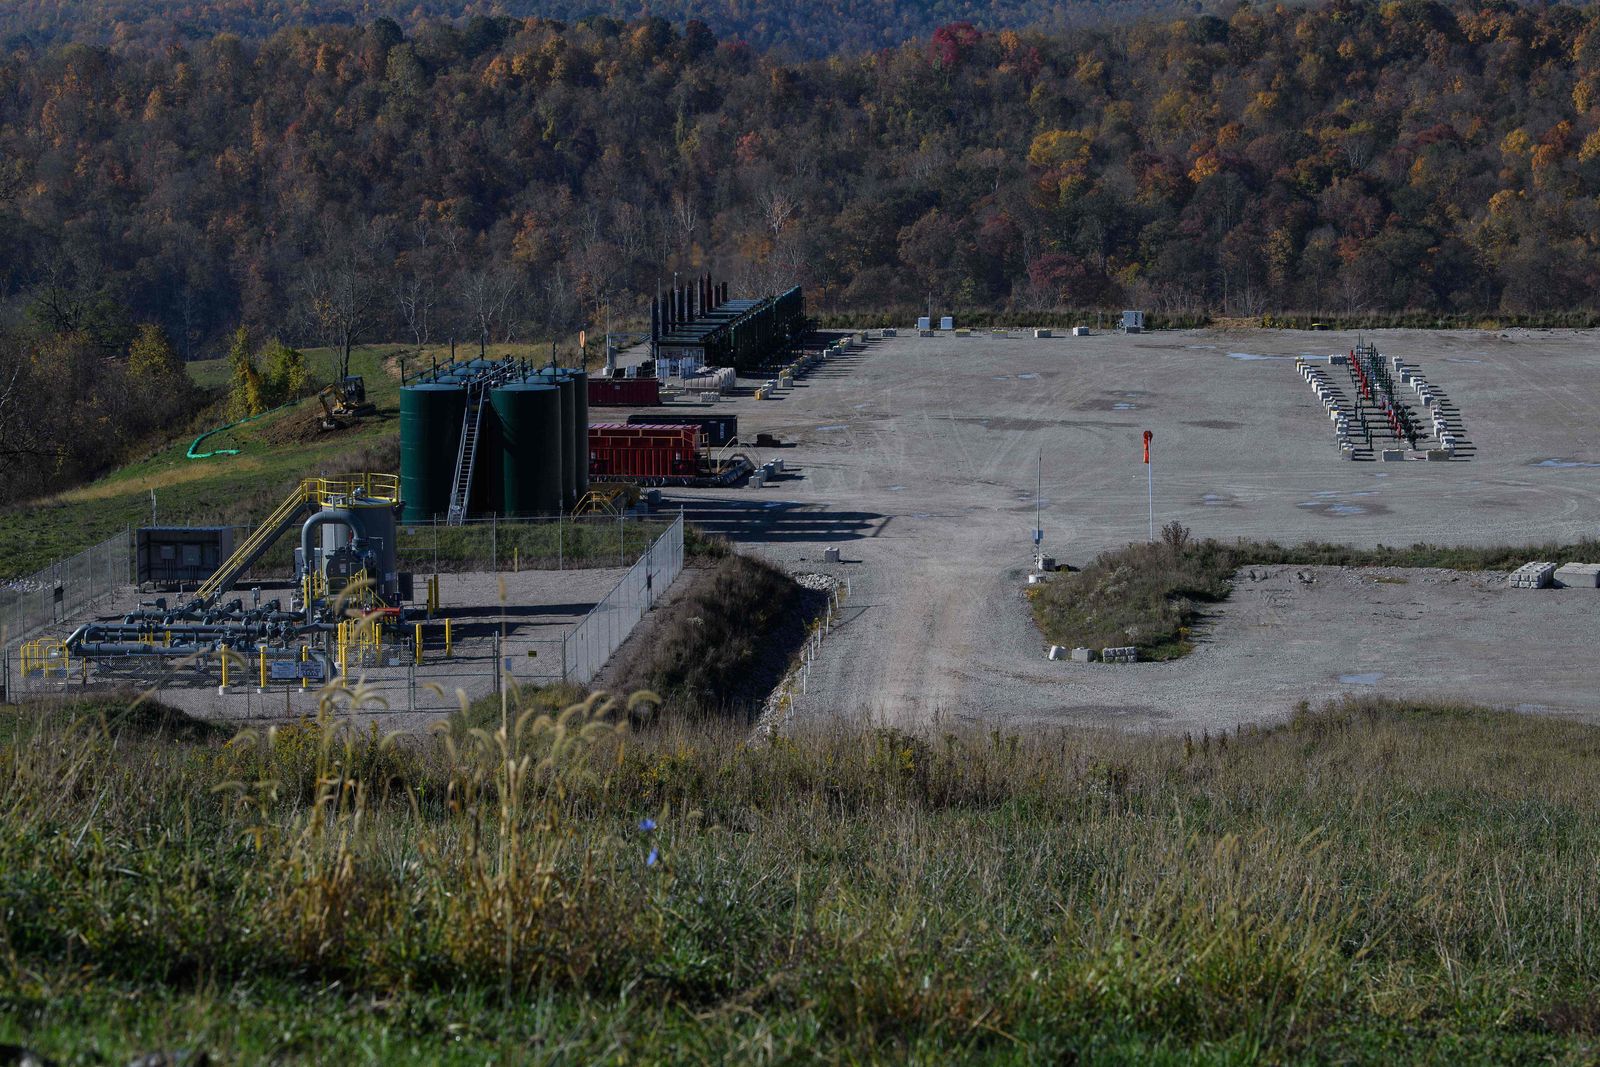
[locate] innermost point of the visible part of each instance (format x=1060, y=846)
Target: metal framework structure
x=1376, y=399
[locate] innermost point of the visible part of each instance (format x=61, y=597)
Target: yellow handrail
x=599, y=502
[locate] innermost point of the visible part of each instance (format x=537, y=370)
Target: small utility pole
x=1038, y=523
x=1150, y=480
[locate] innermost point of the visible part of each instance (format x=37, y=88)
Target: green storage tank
x=430, y=435
x=562, y=379
x=578, y=457
x=532, y=444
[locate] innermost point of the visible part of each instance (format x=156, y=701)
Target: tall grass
x=1365, y=882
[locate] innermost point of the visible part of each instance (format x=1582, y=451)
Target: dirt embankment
x=721, y=641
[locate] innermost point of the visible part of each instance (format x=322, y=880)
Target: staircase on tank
x=467, y=454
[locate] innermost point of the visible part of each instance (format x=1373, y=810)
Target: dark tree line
x=812, y=29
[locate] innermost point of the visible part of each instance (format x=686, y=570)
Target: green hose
x=192, y=454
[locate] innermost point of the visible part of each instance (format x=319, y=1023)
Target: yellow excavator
x=345, y=398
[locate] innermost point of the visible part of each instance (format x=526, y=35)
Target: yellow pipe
x=305, y=653
x=419, y=643
x=224, y=654
x=263, y=668
x=447, y=652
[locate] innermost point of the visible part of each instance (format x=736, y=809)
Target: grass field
x=275, y=452
x=1366, y=883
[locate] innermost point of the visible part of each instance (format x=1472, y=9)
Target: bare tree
x=686, y=214
x=777, y=208
x=340, y=291
x=485, y=295
x=630, y=230
x=416, y=292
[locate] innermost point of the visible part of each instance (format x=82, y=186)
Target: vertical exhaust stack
x=655, y=319
x=705, y=287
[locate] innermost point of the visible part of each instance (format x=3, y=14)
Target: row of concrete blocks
x=1339, y=418
x=765, y=473
x=1542, y=575
x=1430, y=400
x=1124, y=654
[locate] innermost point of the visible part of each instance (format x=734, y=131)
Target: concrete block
x=890, y=333
x=1056, y=652
x=1578, y=576
x=1083, y=655
x=1038, y=579
x=1122, y=654
x=830, y=555
x=1044, y=563
x=777, y=465
x=1337, y=360
x=1439, y=453
x=1536, y=575
x=925, y=333
x=1080, y=331
x=1392, y=455
x=1041, y=333
x=758, y=480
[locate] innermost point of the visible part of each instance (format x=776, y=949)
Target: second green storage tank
x=532, y=447
x=562, y=380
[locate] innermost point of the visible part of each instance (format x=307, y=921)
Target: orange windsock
x=1147, y=436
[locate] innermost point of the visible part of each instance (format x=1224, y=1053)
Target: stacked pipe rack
x=1380, y=421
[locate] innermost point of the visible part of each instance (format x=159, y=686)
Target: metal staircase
x=254, y=546
x=318, y=492
x=467, y=453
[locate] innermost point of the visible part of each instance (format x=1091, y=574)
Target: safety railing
x=590, y=644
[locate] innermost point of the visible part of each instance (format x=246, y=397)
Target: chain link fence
x=562, y=542
x=67, y=586
x=589, y=645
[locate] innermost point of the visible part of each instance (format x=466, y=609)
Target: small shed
x=180, y=556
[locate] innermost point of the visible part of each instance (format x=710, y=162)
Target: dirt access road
x=917, y=458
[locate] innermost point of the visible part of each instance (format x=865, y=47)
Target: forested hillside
x=810, y=29
x=501, y=178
